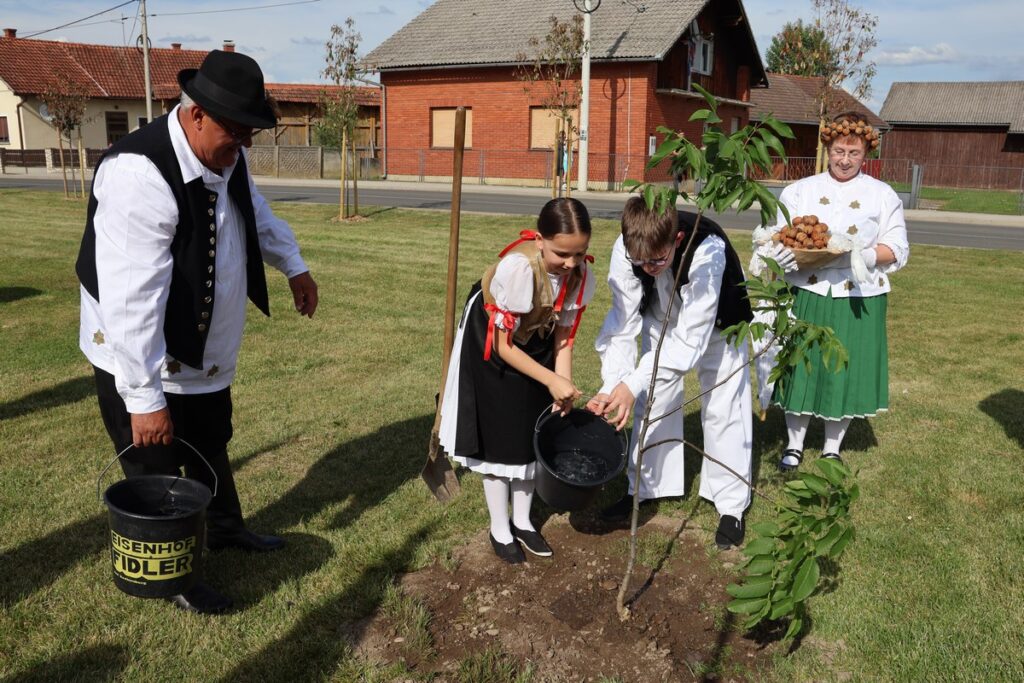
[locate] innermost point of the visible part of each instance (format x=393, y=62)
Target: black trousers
x=204, y=420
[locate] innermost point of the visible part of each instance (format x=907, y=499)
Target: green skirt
x=862, y=389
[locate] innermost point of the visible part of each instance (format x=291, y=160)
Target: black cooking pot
x=576, y=455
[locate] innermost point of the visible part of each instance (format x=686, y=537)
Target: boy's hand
x=596, y=405
x=619, y=407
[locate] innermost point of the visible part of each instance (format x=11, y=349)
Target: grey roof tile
x=957, y=103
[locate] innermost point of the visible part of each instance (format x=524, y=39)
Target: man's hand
x=152, y=429
x=304, y=293
x=596, y=405
x=619, y=406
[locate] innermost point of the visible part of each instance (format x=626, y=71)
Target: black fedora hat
x=229, y=85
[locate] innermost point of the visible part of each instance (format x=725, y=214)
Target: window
x=117, y=125
x=142, y=121
x=734, y=125
x=442, y=127
x=543, y=121
x=5, y=135
x=702, y=59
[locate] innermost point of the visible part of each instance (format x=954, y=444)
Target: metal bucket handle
x=624, y=432
x=99, y=480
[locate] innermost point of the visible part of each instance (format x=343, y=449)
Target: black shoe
x=832, y=456
x=620, y=510
x=731, y=531
x=245, y=540
x=509, y=552
x=790, y=453
x=532, y=541
x=202, y=599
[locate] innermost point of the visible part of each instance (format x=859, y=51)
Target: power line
x=234, y=9
x=78, y=21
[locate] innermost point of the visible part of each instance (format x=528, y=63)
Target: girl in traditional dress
x=512, y=359
x=847, y=294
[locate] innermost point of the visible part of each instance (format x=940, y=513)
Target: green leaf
x=707, y=96
x=824, y=543
x=781, y=608
x=796, y=485
x=761, y=564
x=780, y=128
x=794, y=629
x=757, y=587
x=756, y=618
x=768, y=528
x=815, y=483
x=701, y=115
x=772, y=142
x=649, y=197
x=840, y=545
x=806, y=579
x=629, y=184
x=748, y=606
x=760, y=546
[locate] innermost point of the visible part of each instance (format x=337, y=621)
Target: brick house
x=964, y=134
x=112, y=78
x=645, y=56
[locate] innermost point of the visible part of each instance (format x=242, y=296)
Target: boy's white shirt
x=689, y=332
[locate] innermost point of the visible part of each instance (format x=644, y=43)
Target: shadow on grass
x=9, y=294
x=1007, y=408
x=358, y=474
x=36, y=564
x=71, y=391
x=321, y=639
x=97, y=663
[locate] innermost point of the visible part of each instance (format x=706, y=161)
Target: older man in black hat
x=175, y=240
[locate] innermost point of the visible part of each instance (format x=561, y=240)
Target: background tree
x=65, y=101
x=339, y=109
x=850, y=32
x=554, y=64
x=799, y=49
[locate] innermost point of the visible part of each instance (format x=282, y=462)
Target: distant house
x=963, y=134
x=646, y=57
x=791, y=99
x=112, y=78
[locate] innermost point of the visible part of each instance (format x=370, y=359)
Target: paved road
x=526, y=203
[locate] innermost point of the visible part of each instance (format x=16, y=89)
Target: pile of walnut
x=805, y=233
x=841, y=129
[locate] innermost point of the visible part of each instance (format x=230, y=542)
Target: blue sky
x=919, y=40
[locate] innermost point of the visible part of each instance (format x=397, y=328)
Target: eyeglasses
x=236, y=133
x=652, y=262
x=852, y=155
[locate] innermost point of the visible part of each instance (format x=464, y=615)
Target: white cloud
x=943, y=53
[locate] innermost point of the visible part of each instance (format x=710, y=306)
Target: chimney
x=175, y=46
x=229, y=46
x=10, y=33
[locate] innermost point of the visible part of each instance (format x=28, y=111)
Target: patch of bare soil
x=558, y=613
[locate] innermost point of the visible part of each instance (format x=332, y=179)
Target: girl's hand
x=562, y=407
x=563, y=390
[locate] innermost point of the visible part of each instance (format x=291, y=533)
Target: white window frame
x=704, y=51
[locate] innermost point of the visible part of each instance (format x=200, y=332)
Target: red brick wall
x=624, y=111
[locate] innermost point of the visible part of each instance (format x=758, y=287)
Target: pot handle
x=99, y=480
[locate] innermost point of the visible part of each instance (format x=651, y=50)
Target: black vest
x=733, y=304
x=190, y=302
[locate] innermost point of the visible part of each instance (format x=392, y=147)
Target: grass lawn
x=969, y=200
x=331, y=423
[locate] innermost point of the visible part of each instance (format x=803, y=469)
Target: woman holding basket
x=848, y=293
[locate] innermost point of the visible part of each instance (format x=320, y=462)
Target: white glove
x=783, y=256
x=870, y=257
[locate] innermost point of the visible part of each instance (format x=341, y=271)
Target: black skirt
x=498, y=406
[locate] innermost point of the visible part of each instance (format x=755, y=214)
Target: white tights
x=496, y=493
x=796, y=427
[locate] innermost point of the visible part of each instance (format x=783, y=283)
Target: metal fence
x=795, y=168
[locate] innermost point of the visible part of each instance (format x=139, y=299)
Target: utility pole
x=585, y=104
x=145, y=63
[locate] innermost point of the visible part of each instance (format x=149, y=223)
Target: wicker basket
x=809, y=259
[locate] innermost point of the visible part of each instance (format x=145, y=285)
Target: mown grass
x=969, y=200
x=331, y=424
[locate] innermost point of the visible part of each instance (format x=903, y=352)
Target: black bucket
x=157, y=531
x=576, y=455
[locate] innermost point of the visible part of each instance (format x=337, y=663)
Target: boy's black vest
x=190, y=302
x=733, y=304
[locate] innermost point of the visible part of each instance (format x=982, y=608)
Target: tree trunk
x=355, y=178
x=63, y=170
x=81, y=159
x=344, y=165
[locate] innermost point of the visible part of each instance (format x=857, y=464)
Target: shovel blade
x=437, y=472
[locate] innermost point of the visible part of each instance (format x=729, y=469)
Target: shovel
x=437, y=471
